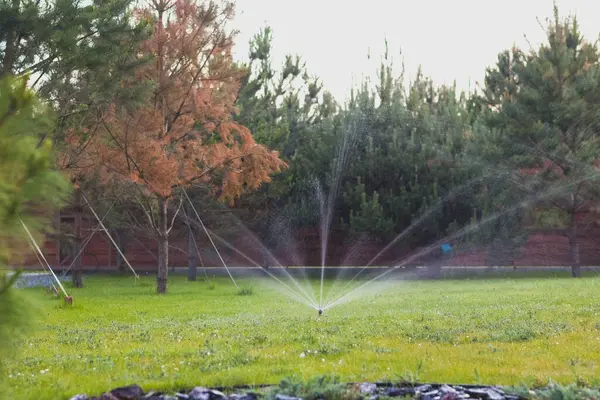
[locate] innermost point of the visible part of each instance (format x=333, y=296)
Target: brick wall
x=542, y=249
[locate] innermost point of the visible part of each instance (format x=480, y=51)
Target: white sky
x=451, y=39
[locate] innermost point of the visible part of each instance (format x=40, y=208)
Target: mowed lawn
x=497, y=331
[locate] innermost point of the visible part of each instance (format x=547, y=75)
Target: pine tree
x=30, y=190
x=281, y=107
x=542, y=107
x=412, y=153
x=77, y=54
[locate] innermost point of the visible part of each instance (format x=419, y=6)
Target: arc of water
x=276, y=261
x=89, y=238
x=306, y=300
x=535, y=149
x=187, y=219
x=300, y=288
x=410, y=229
x=420, y=219
x=461, y=232
x=32, y=239
x=293, y=252
x=264, y=248
x=209, y=237
x=325, y=214
x=338, y=167
x=109, y=236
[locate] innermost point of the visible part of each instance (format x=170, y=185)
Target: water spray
x=209, y=237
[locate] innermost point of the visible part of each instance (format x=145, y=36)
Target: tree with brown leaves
x=184, y=134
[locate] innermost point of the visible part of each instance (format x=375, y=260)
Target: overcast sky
x=451, y=39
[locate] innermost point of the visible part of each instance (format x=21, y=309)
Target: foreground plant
x=29, y=191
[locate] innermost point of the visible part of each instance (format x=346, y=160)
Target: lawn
x=500, y=331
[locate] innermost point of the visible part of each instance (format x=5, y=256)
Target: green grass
x=118, y=332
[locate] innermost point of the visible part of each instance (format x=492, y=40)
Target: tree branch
x=175, y=215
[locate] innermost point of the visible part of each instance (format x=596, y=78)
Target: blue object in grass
x=446, y=248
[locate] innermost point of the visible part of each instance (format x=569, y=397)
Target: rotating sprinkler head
x=320, y=312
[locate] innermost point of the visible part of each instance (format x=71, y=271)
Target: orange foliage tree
x=184, y=134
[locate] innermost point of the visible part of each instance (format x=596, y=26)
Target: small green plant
x=410, y=377
x=211, y=285
x=570, y=392
x=247, y=291
x=320, y=387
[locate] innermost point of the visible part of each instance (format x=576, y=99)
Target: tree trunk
x=121, y=243
x=266, y=259
x=163, y=247
x=266, y=236
x=192, y=257
x=77, y=265
x=434, y=270
x=58, y=225
x=574, y=248
x=192, y=248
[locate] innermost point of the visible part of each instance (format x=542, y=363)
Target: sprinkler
x=320, y=312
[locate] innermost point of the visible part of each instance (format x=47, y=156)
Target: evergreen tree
x=412, y=154
x=29, y=190
x=542, y=109
x=282, y=108
x=77, y=54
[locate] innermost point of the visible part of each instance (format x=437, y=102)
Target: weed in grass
x=246, y=291
x=558, y=392
x=320, y=387
x=412, y=377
